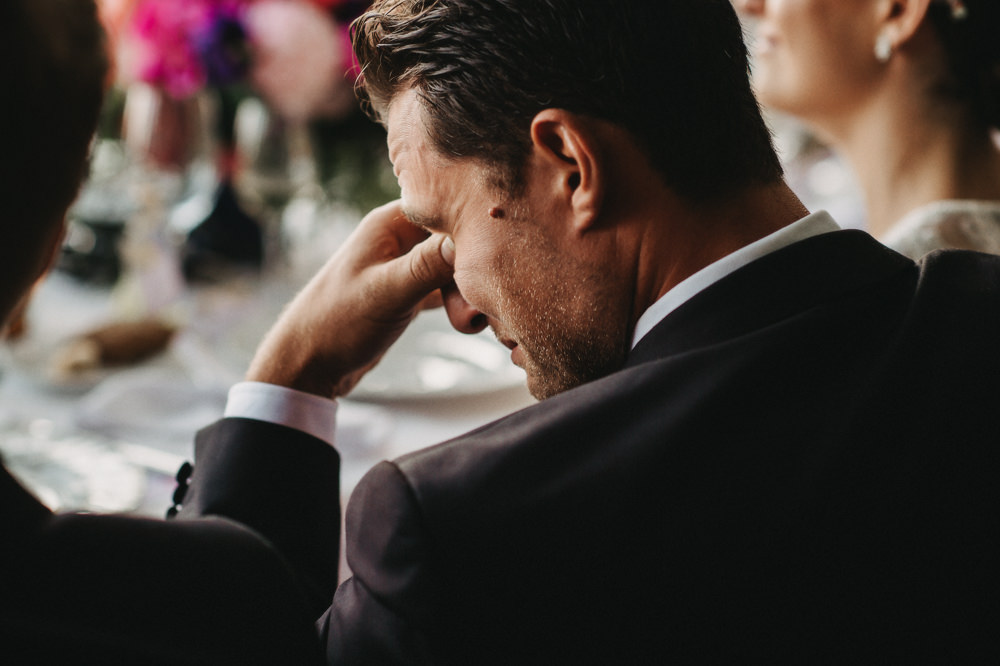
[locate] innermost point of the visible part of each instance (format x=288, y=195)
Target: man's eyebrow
x=425, y=222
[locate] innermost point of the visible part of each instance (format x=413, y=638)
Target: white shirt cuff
x=309, y=413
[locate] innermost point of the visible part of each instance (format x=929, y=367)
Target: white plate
x=433, y=360
x=430, y=360
x=149, y=404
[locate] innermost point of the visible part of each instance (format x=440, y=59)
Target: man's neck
x=683, y=238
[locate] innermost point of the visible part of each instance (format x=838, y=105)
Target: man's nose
x=463, y=317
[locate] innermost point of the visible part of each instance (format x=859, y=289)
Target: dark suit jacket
x=243, y=586
x=799, y=464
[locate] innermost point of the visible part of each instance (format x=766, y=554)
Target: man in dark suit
x=759, y=437
x=91, y=589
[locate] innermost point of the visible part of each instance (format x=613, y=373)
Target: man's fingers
x=385, y=222
x=424, y=268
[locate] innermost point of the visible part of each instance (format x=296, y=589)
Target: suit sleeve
x=280, y=482
x=383, y=613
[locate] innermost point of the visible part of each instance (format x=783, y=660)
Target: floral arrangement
x=294, y=53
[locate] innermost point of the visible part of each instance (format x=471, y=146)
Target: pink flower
x=300, y=59
x=298, y=52
x=169, y=37
x=328, y=4
x=164, y=56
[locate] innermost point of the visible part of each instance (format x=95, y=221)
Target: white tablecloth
x=112, y=441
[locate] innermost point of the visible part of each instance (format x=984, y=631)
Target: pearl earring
x=958, y=9
x=883, y=48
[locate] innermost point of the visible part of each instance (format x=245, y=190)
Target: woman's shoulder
x=950, y=224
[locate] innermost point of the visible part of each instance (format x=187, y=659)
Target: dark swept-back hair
x=674, y=73
x=53, y=67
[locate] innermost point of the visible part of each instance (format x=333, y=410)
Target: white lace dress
x=962, y=224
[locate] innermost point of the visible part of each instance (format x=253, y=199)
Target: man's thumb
x=430, y=263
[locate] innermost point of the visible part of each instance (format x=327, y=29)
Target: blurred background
x=231, y=160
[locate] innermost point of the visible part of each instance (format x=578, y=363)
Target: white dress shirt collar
x=810, y=225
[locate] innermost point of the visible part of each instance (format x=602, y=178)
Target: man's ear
x=899, y=20
x=571, y=153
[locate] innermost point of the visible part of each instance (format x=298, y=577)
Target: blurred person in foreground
x=908, y=92
x=115, y=589
x=758, y=437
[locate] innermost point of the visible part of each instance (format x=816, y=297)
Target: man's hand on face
x=350, y=313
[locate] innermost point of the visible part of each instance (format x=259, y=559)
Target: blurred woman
x=908, y=93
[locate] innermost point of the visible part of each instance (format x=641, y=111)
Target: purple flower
x=186, y=44
x=222, y=47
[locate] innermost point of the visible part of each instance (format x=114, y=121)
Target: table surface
x=112, y=441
